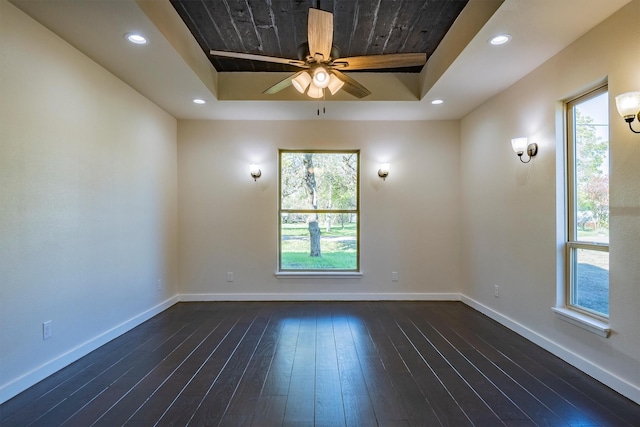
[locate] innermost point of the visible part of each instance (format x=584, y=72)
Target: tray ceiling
x=464, y=69
x=279, y=27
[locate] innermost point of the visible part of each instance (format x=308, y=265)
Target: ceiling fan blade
x=392, y=60
x=320, y=33
x=351, y=86
x=263, y=58
x=282, y=84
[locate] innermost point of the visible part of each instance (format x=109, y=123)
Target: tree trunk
x=314, y=228
x=314, y=234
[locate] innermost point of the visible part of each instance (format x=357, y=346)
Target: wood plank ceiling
x=279, y=27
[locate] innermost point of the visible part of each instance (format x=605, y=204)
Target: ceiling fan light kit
x=335, y=84
x=301, y=81
x=322, y=67
x=315, y=92
x=320, y=77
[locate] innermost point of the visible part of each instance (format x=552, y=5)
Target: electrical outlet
x=159, y=285
x=229, y=276
x=46, y=330
x=394, y=276
x=496, y=291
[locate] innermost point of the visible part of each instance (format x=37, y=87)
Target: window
x=319, y=211
x=588, y=204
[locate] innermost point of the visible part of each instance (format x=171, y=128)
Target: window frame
x=319, y=273
x=572, y=243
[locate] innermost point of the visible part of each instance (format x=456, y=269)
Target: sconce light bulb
x=628, y=105
x=255, y=171
x=521, y=144
x=383, y=172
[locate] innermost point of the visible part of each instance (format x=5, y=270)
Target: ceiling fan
x=321, y=64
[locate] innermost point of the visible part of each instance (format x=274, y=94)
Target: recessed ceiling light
x=499, y=39
x=136, y=38
x=199, y=101
x=437, y=101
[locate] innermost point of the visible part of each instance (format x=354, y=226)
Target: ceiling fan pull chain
x=324, y=101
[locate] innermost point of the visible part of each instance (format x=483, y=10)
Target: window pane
x=334, y=177
x=591, y=119
x=591, y=281
x=338, y=247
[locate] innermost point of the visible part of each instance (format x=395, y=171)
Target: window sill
x=583, y=321
x=318, y=275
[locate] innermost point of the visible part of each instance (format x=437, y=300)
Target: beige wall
x=513, y=219
x=228, y=222
x=87, y=203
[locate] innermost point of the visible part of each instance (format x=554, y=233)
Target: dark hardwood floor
x=319, y=363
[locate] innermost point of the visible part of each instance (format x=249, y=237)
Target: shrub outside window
x=588, y=204
x=319, y=211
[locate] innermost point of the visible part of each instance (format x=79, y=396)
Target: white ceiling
x=171, y=78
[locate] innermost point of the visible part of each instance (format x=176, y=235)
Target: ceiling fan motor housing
x=305, y=55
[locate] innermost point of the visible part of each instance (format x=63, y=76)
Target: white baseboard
x=322, y=297
x=620, y=385
x=18, y=385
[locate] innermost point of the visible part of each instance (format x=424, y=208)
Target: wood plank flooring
x=323, y=364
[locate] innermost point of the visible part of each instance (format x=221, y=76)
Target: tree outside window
x=319, y=210
x=588, y=203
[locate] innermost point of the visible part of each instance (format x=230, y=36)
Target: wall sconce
x=255, y=171
x=629, y=107
x=521, y=144
x=383, y=172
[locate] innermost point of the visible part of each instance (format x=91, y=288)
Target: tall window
x=588, y=203
x=319, y=210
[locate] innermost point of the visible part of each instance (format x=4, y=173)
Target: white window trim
x=318, y=275
x=583, y=321
x=567, y=311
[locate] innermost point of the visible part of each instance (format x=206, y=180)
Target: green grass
x=338, y=248
x=328, y=261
